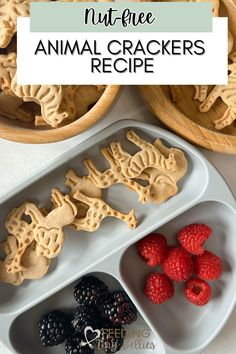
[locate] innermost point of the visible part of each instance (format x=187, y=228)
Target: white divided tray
x=176, y=327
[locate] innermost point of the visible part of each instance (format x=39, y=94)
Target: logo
x=90, y=335
x=132, y=339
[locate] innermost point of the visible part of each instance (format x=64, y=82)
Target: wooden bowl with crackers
x=22, y=122
x=42, y=113
x=204, y=115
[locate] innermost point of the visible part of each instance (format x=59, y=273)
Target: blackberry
x=111, y=338
x=86, y=316
x=119, y=309
x=90, y=291
x=73, y=345
x=54, y=328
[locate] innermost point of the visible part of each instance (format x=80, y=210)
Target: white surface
x=27, y=159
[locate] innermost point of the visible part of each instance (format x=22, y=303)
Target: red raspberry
x=197, y=291
x=208, y=266
x=192, y=237
x=152, y=249
x=178, y=264
x=158, y=288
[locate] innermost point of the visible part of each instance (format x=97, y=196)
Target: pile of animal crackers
x=227, y=93
x=51, y=106
x=36, y=236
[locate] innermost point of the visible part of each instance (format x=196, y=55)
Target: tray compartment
x=24, y=336
x=82, y=250
x=181, y=325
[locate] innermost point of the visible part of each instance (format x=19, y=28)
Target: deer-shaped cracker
x=98, y=210
x=114, y=175
x=148, y=157
x=228, y=95
x=48, y=231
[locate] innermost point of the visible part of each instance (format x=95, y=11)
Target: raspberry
x=158, y=288
x=192, y=237
x=178, y=264
x=197, y=291
x=152, y=249
x=208, y=266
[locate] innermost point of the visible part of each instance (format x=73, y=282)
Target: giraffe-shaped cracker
x=9, y=248
x=48, y=230
x=114, y=175
x=148, y=157
x=227, y=93
x=35, y=267
x=24, y=234
x=98, y=210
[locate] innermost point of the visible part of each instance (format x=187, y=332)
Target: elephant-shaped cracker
x=148, y=157
x=35, y=267
x=227, y=93
x=48, y=230
x=114, y=175
x=98, y=210
x=164, y=185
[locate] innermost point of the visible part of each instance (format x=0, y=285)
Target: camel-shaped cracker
x=56, y=101
x=48, y=230
x=114, y=175
x=227, y=93
x=148, y=157
x=85, y=185
x=98, y=210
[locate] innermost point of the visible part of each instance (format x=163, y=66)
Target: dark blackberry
x=86, y=316
x=74, y=346
x=90, y=291
x=111, y=338
x=119, y=309
x=54, y=328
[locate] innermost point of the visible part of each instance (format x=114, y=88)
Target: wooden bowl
x=25, y=133
x=185, y=119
